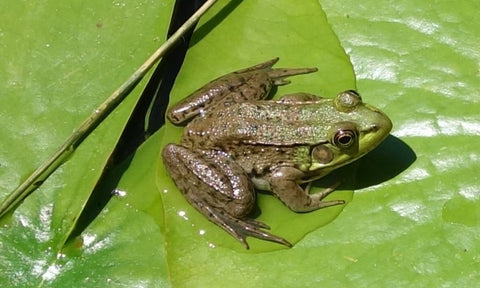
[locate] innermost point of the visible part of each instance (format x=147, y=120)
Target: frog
x=237, y=142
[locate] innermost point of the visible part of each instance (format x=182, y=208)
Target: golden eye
x=344, y=138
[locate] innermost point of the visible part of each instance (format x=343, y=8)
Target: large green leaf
x=416, y=61
x=59, y=62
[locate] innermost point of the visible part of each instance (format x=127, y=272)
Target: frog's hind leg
x=277, y=75
x=253, y=83
x=218, y=188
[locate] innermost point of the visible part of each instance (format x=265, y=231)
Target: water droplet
x=119, y=193
x=183, y=214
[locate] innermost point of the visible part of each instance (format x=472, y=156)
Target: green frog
x=236, y=142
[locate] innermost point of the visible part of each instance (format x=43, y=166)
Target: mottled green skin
x=264, y=133
x=235, y=143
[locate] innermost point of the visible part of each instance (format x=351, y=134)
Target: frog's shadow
x=390, y=158
x=386, y=161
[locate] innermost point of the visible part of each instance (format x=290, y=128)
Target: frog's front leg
x=218, y=188
x=284, y=183
x=253, y=83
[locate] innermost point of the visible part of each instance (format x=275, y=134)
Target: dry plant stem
x=67, y=148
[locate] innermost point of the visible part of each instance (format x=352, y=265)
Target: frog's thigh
x=284, y=184
x=210, y=179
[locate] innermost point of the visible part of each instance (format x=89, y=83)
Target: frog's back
x=261, y=122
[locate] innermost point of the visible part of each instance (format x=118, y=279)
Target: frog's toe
x=250, y=227
x=254, y=222
x=240, y=229
x=319, y=196
x=278, y=75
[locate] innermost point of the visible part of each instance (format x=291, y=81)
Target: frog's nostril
x=372, y=128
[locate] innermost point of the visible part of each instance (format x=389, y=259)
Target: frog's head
x=355, y=129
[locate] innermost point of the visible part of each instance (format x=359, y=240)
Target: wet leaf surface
x=418, y=224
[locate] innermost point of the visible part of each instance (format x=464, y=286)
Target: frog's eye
x=344, y=138
x=347, y=101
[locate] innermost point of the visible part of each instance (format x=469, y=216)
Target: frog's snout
x=383, y=122
x=380, y=120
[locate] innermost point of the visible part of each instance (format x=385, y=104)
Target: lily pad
x=419, y=63
x=198, y=251
x=416, y=61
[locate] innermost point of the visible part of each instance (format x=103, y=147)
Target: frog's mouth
x=374, y=134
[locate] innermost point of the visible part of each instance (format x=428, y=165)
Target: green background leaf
x=59, y=62
x=419, y=63
x=416, y=61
